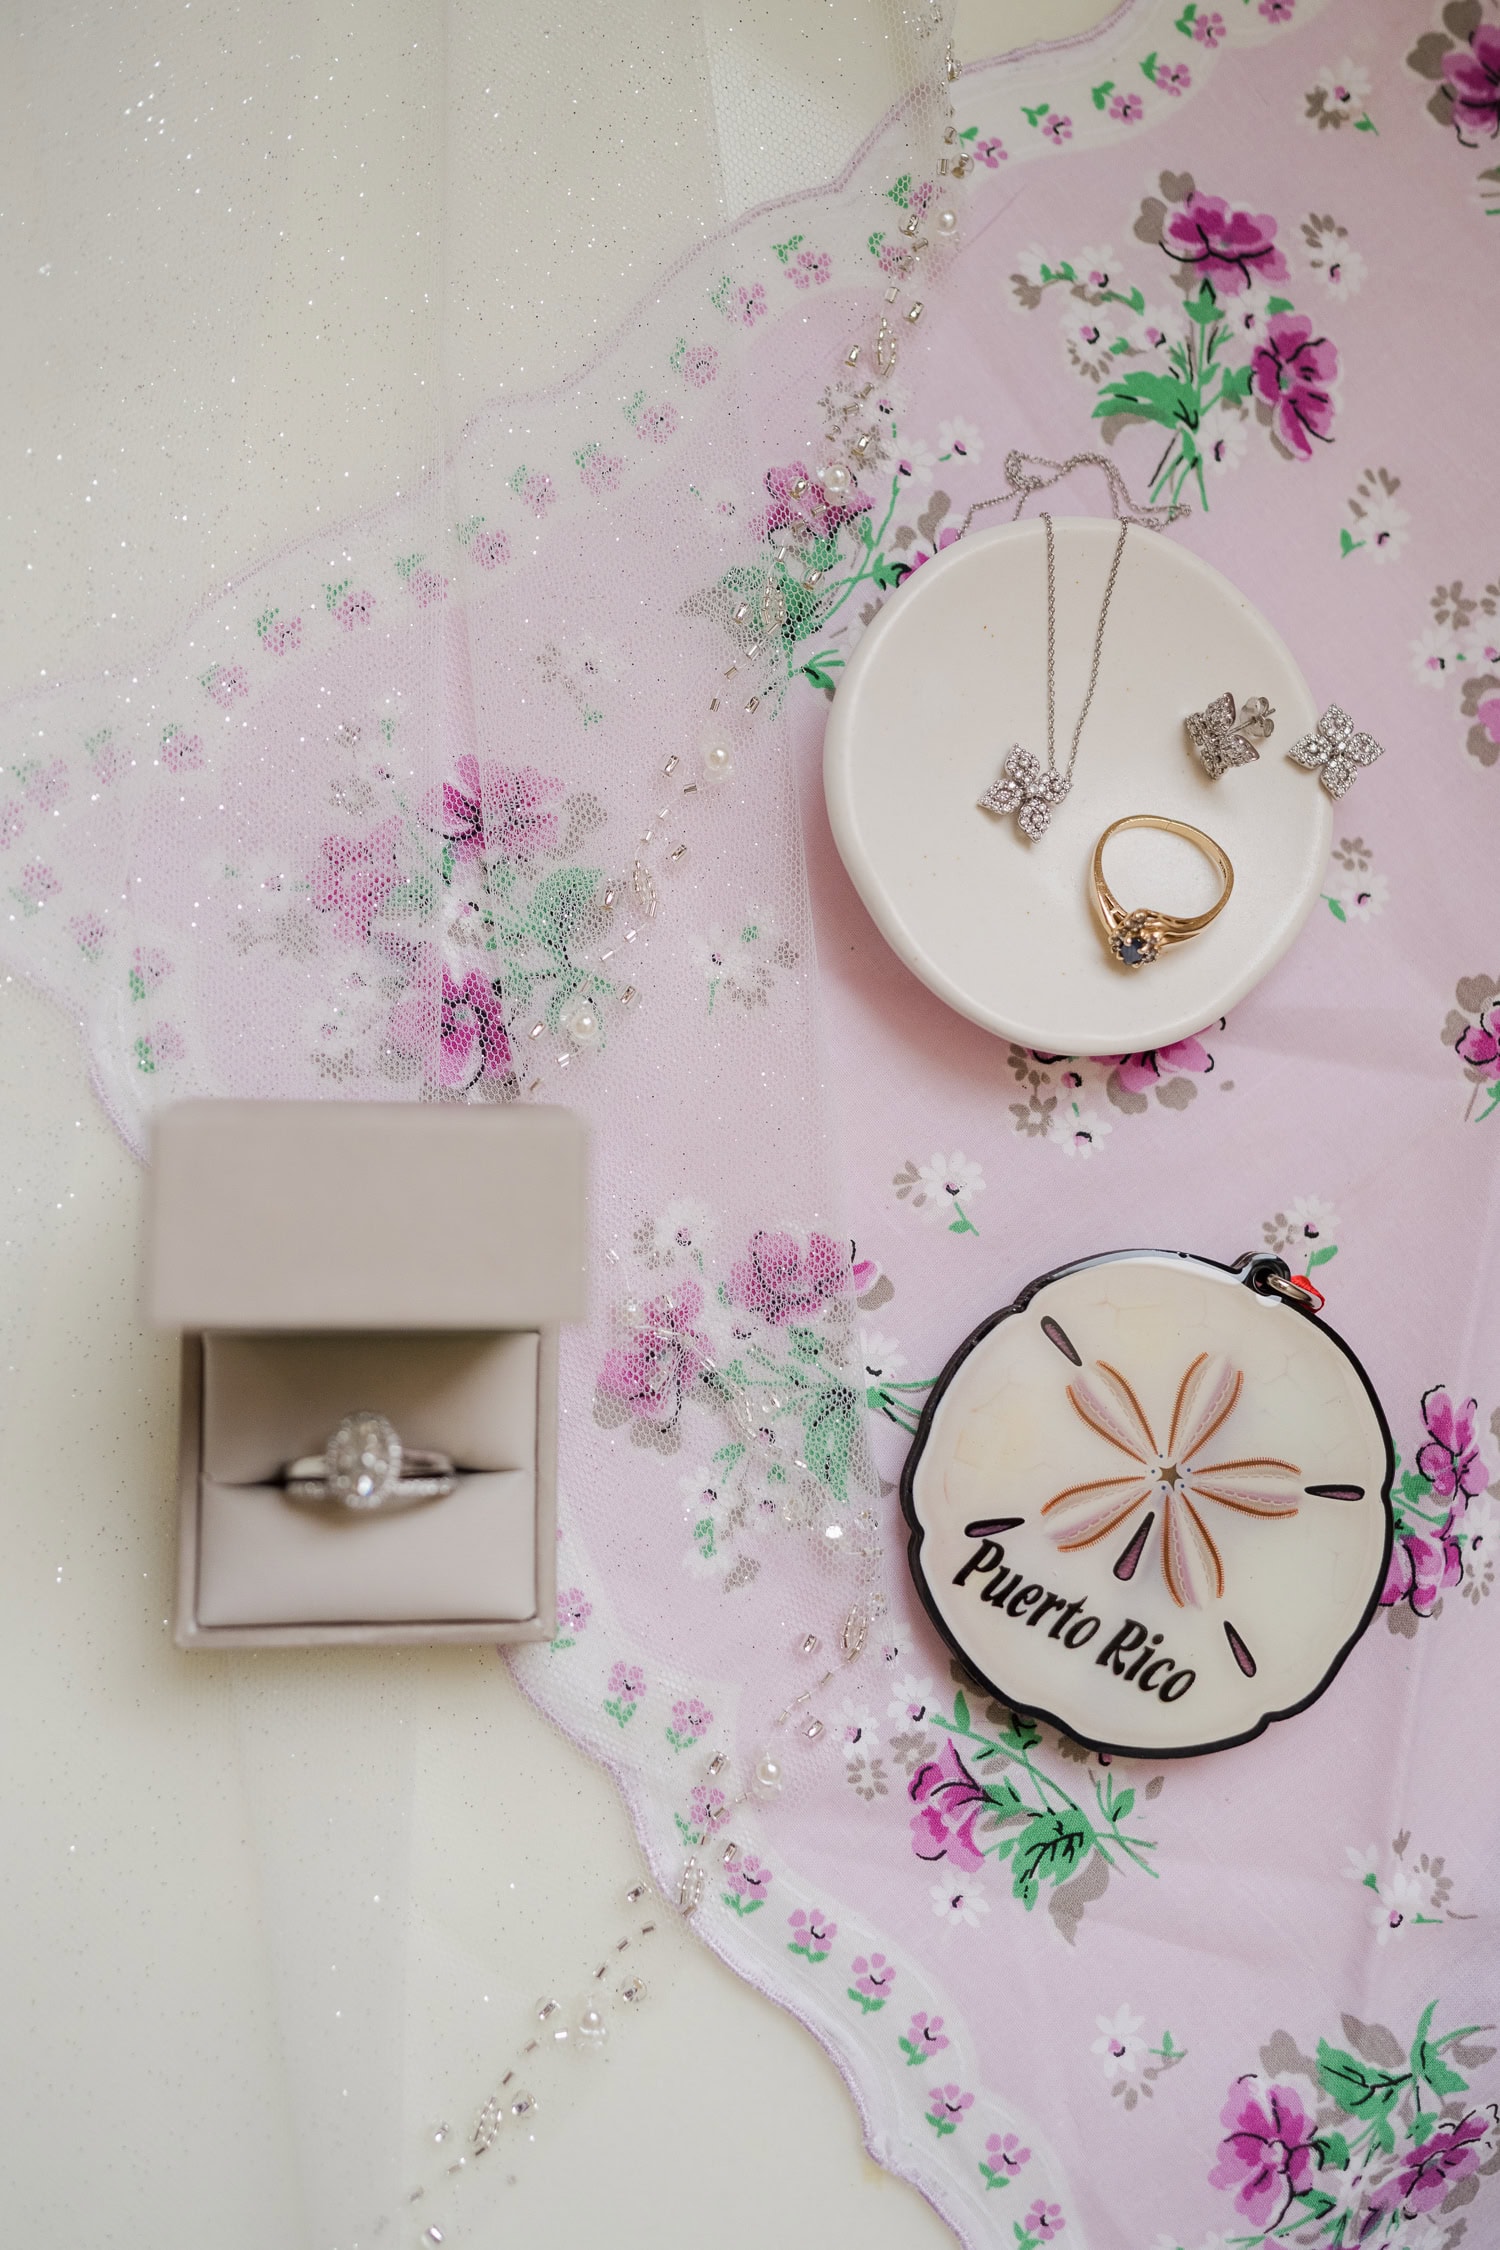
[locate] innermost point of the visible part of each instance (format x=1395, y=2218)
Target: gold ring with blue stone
x=1137, y=935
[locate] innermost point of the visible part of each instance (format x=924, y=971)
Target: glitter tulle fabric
x=435, y=807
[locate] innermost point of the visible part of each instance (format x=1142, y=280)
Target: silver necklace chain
x=1109, y=587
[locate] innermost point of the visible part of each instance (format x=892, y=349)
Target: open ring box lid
x=321, y=1257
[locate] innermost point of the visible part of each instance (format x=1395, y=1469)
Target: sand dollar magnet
x=1150, y=1501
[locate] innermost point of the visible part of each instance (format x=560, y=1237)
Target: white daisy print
x=1080, y=1133
x=911, y=1698
x=1366, y=896
x=916, y=463
x=1119, y=2045
x=1225, y=437
x=959, y=440
x=1434, y=655
x=958, y=1909
x=939, y=1190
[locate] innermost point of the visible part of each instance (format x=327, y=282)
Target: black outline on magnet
x=1243, y=1270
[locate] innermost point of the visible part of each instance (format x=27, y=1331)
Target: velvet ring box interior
x=325, y=1257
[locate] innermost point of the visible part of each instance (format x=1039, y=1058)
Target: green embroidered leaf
x=961, y=1711
x=1279, y=305
x=1348, y=544
x=1234, y=385
x=1122, y=1804
x=1316, y=2203
x=1334, y=2151
x=1005, y=1802
x=1048, y=1851
x=1098, y=95
x=1364, y=125
x=1322, y=1254
x=1336, y=909
x=1148, y=67
x=1204, y=307
x=1423, y=2125
x=806, y=1343
x=1185, y=20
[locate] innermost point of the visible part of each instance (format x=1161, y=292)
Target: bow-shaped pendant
x=1024, y=787
x=1335, y=752
x=1222, y=740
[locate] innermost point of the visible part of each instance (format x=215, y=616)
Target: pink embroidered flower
x=1045, y=2220
x=691, y=1717
x=1139, y=1073
x=47, y=787
x=1270, y=2152
x=105, y=756
x=926, y=2034
x=627, y=1680
x=1450, y=1459
x=1488, y=715
x=1278, y=11
x=573, y=1611
x=807, y=510
x=945, y=539
x=658, y=423
x=873, y=1976
x=12, y=823
x=38, y=882
x=165, y=1044
x=1173, y=78
x=1005, y=2153
x=750, y=305
x=355, y=875
x=226, y=683
x=1225, y=246
x=780, y=1280
x=601, y=472
x=1473, y=81
x=536, y=492
x=1057, y=129
x=651, y=1373
x=812, y=1933
x=490, y=549
x=700, y=365
x=279, y=634
x=1480, y=1044
x=1126, y=109
x=707, y=1807
x=458, y=1027
x=748, y=1877
x=181, y=750
x=497, y=811
x=149, y=967
x=354, y=608
x=1292, y=370
x=951, y=1801
x=1209, y=28
x=1450, y=2154
x=809, y=268
x=894, y=258
x=426, y=586
x=990, y=152
x=90, y=931
x=950, y=2102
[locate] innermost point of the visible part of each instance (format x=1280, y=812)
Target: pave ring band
x=365, y=1467
x=1138, y=934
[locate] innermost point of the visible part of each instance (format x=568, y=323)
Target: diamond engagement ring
x=1138, y=934
x=364, y=1467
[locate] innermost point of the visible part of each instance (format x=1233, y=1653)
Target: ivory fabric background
x=935, y=1071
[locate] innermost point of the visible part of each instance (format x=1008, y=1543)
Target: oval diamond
x=364, y=1461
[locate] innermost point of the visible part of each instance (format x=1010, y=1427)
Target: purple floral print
x=1045, y=2220
x=496, y=811
x=873, y=1975
x=278, y=634
x=38, y=882
x=1450, y=1459
x=1278, y=11
x=691, y=1719
x=573, y=1610
x=923, y=2036
x=658, y=423
x=700, y=365
x=708, y=1807
x=1269, y=2154
x=1208, y=28
x=12, y=823
x=651, y=1372
x=535, y=490
x=601, y=472
x=1126, y=109
x=1057, y=129
x=1424, y=1564
x=90, y=933
x=490, y=549
x=1006, y=2153
x=1472, y=78
x=1292, y=369
x=1174, y=78
x=809, y=268
x=464, y=1022
x=1454, y=2150
x=990, y=152
x=627, y=1680
x=1480, y=1043
x=951, y=1801
x=780, y=1280
x=1224, y=246
x=47, y=786
x=355, y=875
x=807, y=510
x=1139, y=1073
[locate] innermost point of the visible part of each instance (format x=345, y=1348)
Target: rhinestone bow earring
x=1222, y=740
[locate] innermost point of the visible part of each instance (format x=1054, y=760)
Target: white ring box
x=323, y=1257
